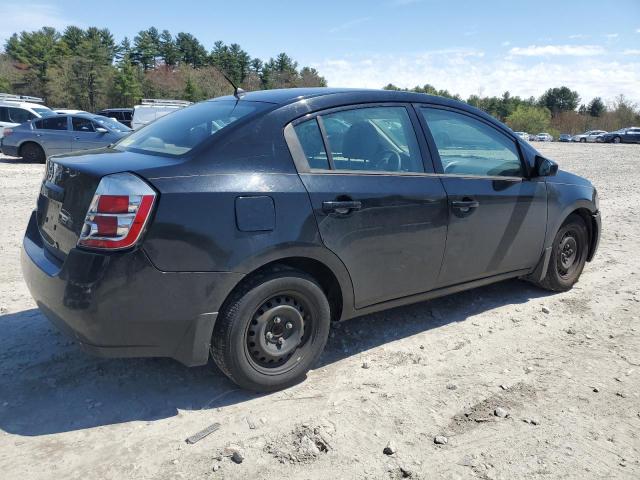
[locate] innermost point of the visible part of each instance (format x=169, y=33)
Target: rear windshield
x=180, y=132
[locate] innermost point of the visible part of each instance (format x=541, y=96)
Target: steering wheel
x=450, y=166
x=391, y=161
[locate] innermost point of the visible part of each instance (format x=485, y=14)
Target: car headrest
x=360, y=141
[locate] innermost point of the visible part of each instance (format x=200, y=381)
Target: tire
x=583, y=140
x=32, y=153
x=616, y=140
x=568, y=255
x=271, y=330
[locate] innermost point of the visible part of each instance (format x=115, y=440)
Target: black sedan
x=241, y=227
x=624, y=135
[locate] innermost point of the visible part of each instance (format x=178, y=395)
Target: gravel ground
x=513, y=391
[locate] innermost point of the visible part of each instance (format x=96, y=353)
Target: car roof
x=12, y=103
x=285, y=96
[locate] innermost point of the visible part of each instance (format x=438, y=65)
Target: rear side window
x=51, y=123
x=180, y=132
x=4, y=114
x=470, y=147
x=311, y=141
x=374, y=138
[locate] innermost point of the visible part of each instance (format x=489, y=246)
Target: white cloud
x=631, y=51
x=610, y=35
x=556, y=50
x=17, y=17
x=578, y=36
x=469, y=72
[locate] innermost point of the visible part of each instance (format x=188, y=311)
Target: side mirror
x=545, y=167
x=101, y=130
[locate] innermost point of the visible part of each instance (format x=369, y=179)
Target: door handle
x=341, y=206
x=465, y=206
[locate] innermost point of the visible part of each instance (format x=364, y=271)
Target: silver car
x=38, y=139
x=589, y=136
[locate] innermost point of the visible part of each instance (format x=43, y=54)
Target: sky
x=482, y=47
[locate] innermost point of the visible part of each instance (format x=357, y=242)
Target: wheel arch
x=27, y=142
x=319, y=263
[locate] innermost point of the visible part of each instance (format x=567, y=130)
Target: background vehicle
x=38, y=139
x=234, y=208
x=588, y=136
x=123, y=115
x=544, y=137
x=532, y=137
x=16, y=109
x=151, y=109
x=624, y=135
x=565, y=137
x=523, y=135
x=68, y=111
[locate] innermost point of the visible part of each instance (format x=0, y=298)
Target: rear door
x=378, y=205
x=52, y=133
x=497, y=216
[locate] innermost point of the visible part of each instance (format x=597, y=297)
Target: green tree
x=146, y=48
x=191, y=91
x=528, y=118
x=38, y=51
x=127, y=83
x=168, y=50
x=190, y=50
x=596, y=107
x=558, y=100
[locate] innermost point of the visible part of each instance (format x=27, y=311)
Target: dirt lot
x=568, y=380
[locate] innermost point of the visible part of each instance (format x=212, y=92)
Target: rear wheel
x=583, y=140
x=272, y=330
x=617, y=140
x=568, y=255
x=33, y=153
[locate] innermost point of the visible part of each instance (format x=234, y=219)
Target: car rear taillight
x=7, y=131
x=118, y=212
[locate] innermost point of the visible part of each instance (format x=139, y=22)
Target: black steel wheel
x=568, y=255
x=271, y=330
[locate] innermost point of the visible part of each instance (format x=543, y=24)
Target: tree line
x=88, y=70
x=557, y=110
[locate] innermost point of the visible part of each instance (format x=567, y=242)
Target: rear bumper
x=120, y=305
x=9, y=150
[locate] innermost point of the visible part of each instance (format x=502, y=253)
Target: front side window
x=184, y=129
x=470, y=147
x=51, y=123
x=373, y=139
x=108, y=123
x=81, y=124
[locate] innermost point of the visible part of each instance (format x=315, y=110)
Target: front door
x=377, y=207
x=497, y=216
x=85, y=136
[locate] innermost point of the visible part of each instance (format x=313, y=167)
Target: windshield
x=44, y=112
x=180, y=132
x=111, y=124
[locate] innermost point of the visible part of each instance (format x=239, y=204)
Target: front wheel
x=272, y=330
x=583, y=140
x=617, y=140
x=568, y=255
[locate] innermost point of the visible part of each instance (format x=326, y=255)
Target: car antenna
x=237, y=91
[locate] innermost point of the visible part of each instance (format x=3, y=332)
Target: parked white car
x=544, y=137
x=523, y=135
x=17, y=109
x=588, y=136
x=150, y=109
x=68, y=111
